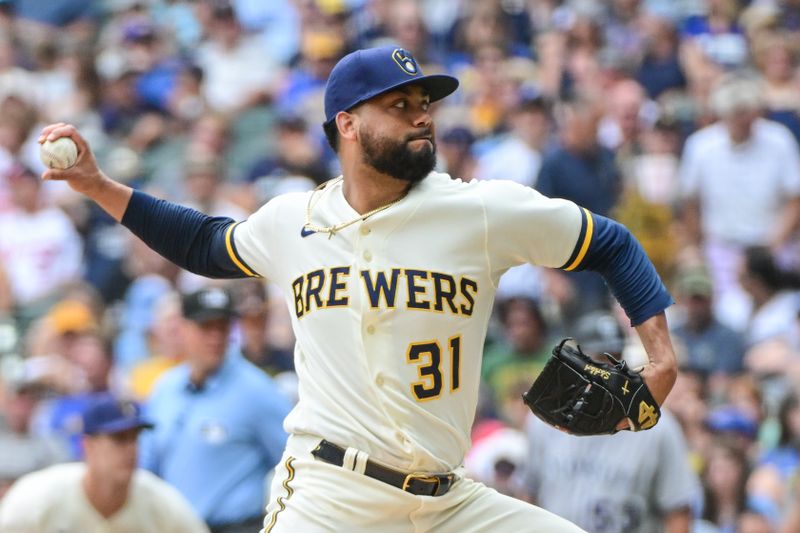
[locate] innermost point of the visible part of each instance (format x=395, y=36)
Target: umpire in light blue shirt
x=218, y=421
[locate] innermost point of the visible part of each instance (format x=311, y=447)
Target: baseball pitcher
x=389, y=273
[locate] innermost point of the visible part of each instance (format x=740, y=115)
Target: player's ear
x=346, y=124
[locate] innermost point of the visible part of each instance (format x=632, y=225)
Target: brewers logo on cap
x=128, y=409
x=405, y=61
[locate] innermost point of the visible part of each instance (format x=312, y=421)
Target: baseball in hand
x=61, y=153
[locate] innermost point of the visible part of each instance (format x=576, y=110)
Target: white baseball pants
x=309, y=496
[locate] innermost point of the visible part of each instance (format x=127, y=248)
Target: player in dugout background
x=390, y=272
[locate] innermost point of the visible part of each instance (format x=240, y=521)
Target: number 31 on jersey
x=428, y=358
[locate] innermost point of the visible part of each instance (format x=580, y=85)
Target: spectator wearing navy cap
x=455, y=153
x=298, y=157
x=106, y=492
x=218, y=421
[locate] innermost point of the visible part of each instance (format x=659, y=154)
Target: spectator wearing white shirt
x=39, y=246
x=741, y=185
x=517, y=154
x=774, y=297
x=236, y=71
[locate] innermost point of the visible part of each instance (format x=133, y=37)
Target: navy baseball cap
x=730, y=419
x=208, y=304
x=366, y=73
x=106, y=415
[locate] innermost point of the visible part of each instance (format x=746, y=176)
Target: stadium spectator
x=623, y=29
x=230, y=81
x=302, y=89
x=39, y=246
x=252, y=312
x=771, y=481
x=517, y=154
x=22, y=451
x=714, y=38
x=580, y=170
x=726, y=209
x=585, y=172
x=776, y=60
x=152, y=277
x=710, y=346
x=498, y=457
x=298, y=155
x=204, y=186
x=660, y=70
x=520, y=356
x=455, y=153
x=773, y=294
x=166, y=349
x=724, y=480
x=59, y=417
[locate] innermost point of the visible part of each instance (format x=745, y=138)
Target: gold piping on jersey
x=587, y=239
x=281, y=499
x=232, y=252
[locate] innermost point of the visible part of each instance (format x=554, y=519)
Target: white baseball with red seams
x=61, y=153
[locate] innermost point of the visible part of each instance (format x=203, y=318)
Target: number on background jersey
x=428, y=356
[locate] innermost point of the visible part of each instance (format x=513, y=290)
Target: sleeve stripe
x=232, y=252
x=587, y=239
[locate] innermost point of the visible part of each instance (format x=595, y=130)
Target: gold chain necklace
x=332, y=230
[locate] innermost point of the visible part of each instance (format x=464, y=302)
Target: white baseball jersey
x=53, y=501
x=390, y=314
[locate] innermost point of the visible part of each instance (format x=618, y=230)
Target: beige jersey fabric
x=53, y=501
x=391, y=312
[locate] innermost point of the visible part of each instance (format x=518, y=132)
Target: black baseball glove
x=582, y=396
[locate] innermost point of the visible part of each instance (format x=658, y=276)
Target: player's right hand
x=85, y=175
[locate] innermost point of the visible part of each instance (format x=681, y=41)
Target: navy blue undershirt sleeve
x=192, y=240
x=616, y=255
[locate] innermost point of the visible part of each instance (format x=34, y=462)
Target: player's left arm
x=608, y=248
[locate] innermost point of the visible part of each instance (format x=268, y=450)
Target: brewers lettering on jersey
x=390, y=272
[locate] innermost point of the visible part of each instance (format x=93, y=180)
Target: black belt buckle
x=418, y=483
x=441, y=483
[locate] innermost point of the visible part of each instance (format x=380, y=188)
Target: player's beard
x=397, y=158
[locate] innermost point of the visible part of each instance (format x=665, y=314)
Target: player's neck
x=105, y=496
x=366, y=189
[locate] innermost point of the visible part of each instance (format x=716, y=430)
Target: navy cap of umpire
x=364, y=74
x=208, y=304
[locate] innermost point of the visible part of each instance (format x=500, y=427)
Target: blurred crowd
x=679, y=118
